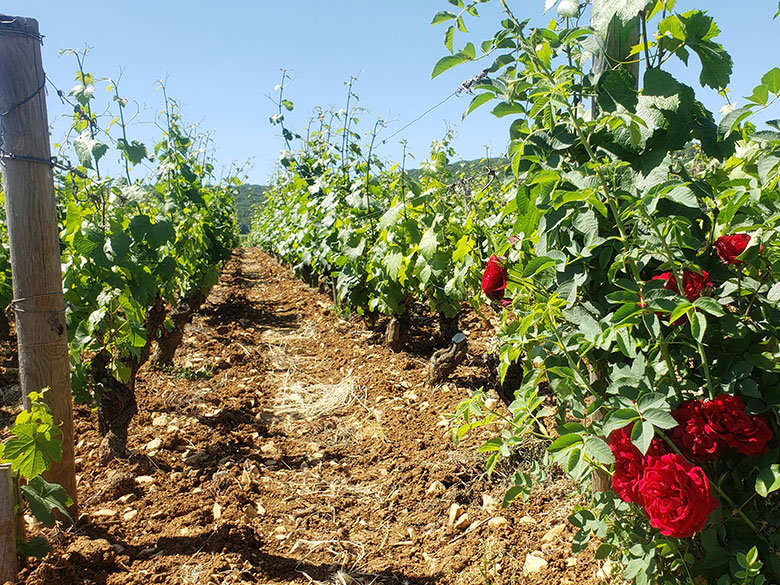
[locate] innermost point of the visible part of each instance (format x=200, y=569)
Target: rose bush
x=623, y=182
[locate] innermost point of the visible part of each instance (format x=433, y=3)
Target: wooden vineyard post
x=25, y=162
x=8, y=559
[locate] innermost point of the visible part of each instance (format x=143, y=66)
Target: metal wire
x=13, y=31
x=25, y=100
x=15, y=302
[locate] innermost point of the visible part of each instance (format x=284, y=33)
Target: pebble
x=462, y=522
x=497, y=522
x=454, y=513
x=130, y=515
x=527, y=520
x=250, y=511
x=217, y=512
x=436, y=488
x=534, y=564
x=605, y=571
x=104, y=513
x=127, y=498
x=489, y=503
x=160, y=420
x=154, y=444
x=553, y=534
x=144, y=479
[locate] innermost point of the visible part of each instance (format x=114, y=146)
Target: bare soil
x=288, y=445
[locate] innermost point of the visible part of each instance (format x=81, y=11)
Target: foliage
x=382, y=237
x=615, y=230
x=35, y=443
x=131, y=247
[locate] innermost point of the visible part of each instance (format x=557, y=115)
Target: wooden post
x=31, y=215
x=8, y=560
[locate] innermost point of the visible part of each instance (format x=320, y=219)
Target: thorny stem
x=705, y=364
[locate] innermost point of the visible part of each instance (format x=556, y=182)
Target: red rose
x=693, y=283
x=494, y=279
x=676, y=495
x=629, y=463
x=729, y=247
x=692, y=435
x=726, y=419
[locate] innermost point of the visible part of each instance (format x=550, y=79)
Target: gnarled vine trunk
x=448, y=326
x=396, y=332
x=169, y=341
x=118, y=404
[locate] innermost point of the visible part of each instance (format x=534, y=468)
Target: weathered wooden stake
x=31, y=214
x=8, y=560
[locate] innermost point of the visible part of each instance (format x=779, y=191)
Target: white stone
x=534, y=564
x=436, y=488
x=454, y=513
x=104, y=513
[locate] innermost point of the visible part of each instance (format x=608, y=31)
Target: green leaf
x=44, y=497
x=134, y=151
x=477, y=101
x=684, y=196
x=709, y=305
x=773, y=296
x=537, y=265
x=506, y=109
x=442, y=16
x=565, y=442
x=768, y=480
x=33, y=449
x=642, y=435
x=160, y=233
x=88, y=149
x=449, y=37
x=698, y=326
x=771, y=80
x=37, y=547
x=448, y=62
x=599, y=450
x=429, y=243
x=659, y=418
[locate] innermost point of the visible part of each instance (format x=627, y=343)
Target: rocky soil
x=288, y=445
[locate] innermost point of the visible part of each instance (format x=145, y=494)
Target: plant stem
x=705, y=364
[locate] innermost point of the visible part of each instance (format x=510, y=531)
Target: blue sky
x=223, y=60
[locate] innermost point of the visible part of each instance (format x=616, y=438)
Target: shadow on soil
x=229, y=538
x=236, y=307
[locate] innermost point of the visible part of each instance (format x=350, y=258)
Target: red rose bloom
x=726, y=419
x=676, y=495
x=692, y=435
x=729, y=247
x=629, y=463
x=494, y=279
x=693, y=283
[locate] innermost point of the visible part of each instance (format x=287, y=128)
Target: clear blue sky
x=223, y=59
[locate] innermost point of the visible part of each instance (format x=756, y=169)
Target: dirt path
x=289, y=446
